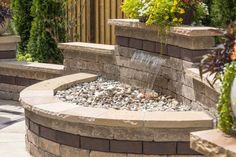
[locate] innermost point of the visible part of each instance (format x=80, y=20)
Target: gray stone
x=49, y=146
x=73, y=152
x=188, y=92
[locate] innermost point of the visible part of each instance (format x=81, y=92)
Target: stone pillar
x=8, y=45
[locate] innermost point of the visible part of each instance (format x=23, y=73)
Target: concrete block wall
x=15, y=76
x=90, y=58
x=180, y=52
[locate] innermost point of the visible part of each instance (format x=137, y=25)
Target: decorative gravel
x=113, y=94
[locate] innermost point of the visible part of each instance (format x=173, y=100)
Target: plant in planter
x=166, y=13
x=221, y=64
x=5, y=16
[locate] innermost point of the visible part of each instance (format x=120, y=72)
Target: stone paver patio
x=12, y=130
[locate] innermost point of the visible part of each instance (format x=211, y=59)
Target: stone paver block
x=95, y=144
x=213, y=143
x=126, y=146
x=34, y=139
x=101, y=154
x=68, y=139
x=67, y=151
x=165, y=148
x=87, y=47
x=183, y=148
x=49, y=146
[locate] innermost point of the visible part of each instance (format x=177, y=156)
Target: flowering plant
x=165, y=12
x=4, y=11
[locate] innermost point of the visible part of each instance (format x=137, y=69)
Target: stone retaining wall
x=15, y=76
x=38, y=137
x=91, y=58
x=182, y=50
x=59, y=129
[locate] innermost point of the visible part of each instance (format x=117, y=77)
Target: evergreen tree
x=22, y=21
x=223, y=12
x=48, y=28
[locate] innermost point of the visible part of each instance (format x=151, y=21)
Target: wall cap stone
x=213, y=143
x=31, y=66
x=57, y=109
x=184, y=30
x=101, y=49
x=9, y=39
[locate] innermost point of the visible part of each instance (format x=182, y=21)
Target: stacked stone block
x=57, y=138
x=8, y=44
x=90, y=58
x=15, y=76
x=181, y=50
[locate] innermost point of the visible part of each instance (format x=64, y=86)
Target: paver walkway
x=12, y=130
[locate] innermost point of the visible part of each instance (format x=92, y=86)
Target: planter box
x=187, y=43
x=8, y=45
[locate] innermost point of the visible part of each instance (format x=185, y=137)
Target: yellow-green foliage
x=24, y=57
x=131, y=7
x=160, y=12
x=163, y=12
x=226, y=118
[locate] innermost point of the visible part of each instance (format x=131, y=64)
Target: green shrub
x=201, y=13
x=48, y=28
x=223, y=12
x=24, y=57
x=226, y=119
x=22, y=21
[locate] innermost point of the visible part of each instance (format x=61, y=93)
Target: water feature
x=151, y=62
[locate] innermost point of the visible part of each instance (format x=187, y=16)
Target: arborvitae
x=48, y=28
x=22, y=21
x=223, y=12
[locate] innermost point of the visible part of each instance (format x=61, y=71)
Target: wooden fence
x=87, y=20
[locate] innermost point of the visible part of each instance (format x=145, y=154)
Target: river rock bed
x=110, y=94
